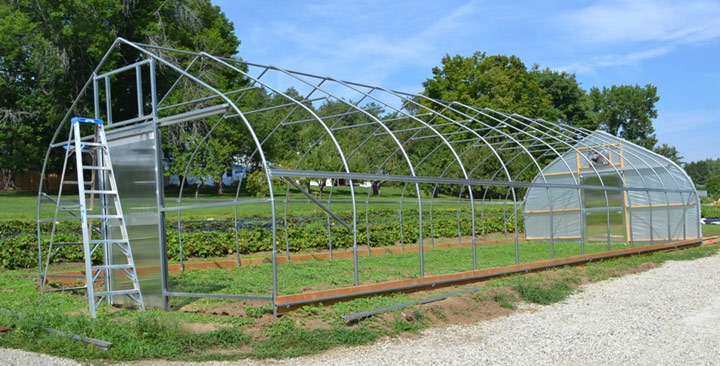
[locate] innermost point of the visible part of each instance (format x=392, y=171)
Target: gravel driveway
x=669, y=315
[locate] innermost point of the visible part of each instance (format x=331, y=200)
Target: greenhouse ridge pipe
x=458, y=181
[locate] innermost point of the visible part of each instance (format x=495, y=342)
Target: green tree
x=713, y=185
x=499, y=82
x=700, y=171
x=49, y=48
x=669, y=152
x=626, y=111
x=566, y=95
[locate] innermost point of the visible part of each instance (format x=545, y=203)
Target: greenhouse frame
x=556, y=183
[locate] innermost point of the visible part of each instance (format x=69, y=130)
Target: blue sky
x=674, y=45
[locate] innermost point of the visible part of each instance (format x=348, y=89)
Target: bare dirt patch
x=201, y=327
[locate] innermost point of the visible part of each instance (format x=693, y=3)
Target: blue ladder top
x=88, y=120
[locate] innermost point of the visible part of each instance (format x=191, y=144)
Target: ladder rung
x=97, y=191
x=86, y=147
x=76, y=182
x=60, y=219
x=113, y=266
x=118, y=292
x=52, y=275
x=104, y=216
x=74, y=209
x=65, y=243
x=66, y=289
x=109, y=241
x=95, y=167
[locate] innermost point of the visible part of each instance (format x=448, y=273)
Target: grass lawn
x=711, y=230
x=296, y=277
x=18, y=205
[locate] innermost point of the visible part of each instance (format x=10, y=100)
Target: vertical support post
x=237, y=238
x=650, y=210
x=583, y=214
x=286, y=204
x=685, y=204
x=420, y=238
x=138, y=84
x=515, y=232
x=629, y=222
x=180, y=242
x=552, y=223
x=432, y=222
x=402, y=231
x=609, y=231
x=669, y=228
x=273, y=214
x=327, y=215
x=354, y=231
x=367, y=221
x=101, y=175
x=159, y=190
x=472, y=228
x=684, y=222
x=697, y=222
x=96, y=97
x=329, y=226
x=108, y=100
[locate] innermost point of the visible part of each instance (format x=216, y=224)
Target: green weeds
x=544, y=295
x=506, y=301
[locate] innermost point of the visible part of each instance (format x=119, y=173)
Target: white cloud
x=691, y=131
x=644, y=20
x=689, y=120
x=596, y=62
x=369, y=43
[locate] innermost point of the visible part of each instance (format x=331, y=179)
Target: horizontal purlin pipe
x=215, y=204
x=460, y=181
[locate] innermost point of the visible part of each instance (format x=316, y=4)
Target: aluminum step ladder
x=103, y=226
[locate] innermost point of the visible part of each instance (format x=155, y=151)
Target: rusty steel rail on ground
x=285, y=304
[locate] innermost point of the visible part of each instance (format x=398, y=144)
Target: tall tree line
x=48, y=49
x=504, y=83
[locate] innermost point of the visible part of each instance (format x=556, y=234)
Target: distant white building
x=232, y=175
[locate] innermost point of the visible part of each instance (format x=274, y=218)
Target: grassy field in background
x=22, y=205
